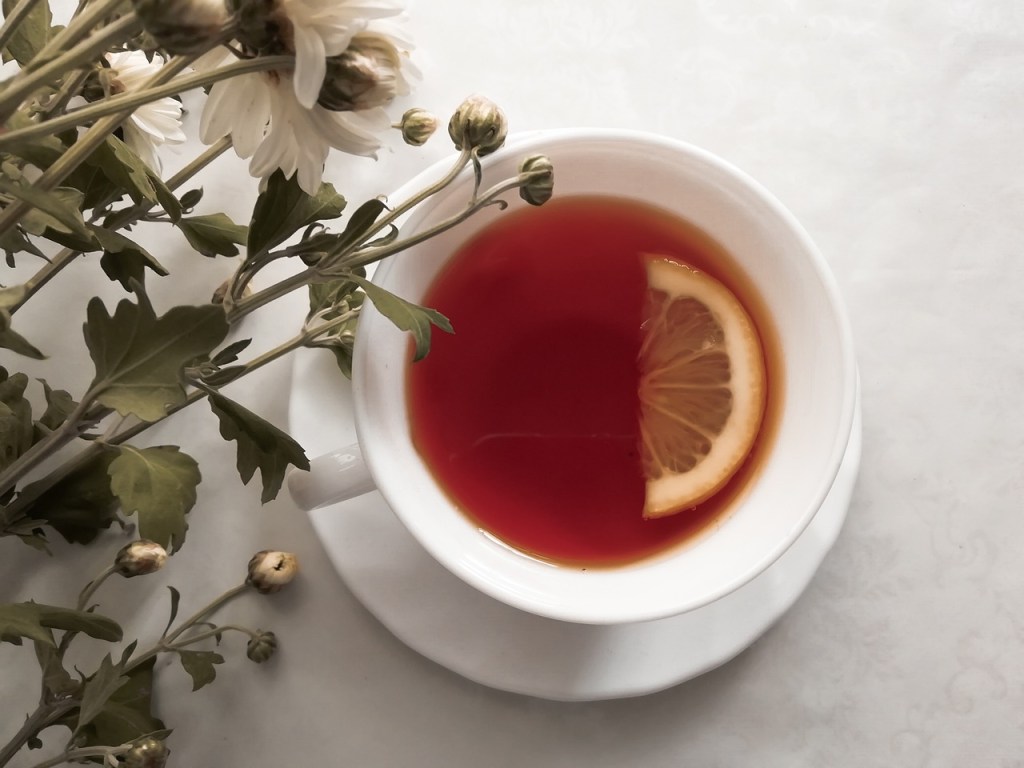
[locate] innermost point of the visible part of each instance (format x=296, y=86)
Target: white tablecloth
x=894, y=132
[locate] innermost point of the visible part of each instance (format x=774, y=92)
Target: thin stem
x=85, y=51
x=92, y=586
x=77, y=755
x=14, y=19
x=86, y=17
x=195, y=618
x=193, y=639
x=43, y=716
x=133, y=99
x=38, y=452
x=85, y=145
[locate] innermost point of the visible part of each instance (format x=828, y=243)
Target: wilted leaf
x=30, y=35
x=59, y=405
x=213, y=235
x=261, y=445
x=406, y=315
x=282, y=209
x=15, y=418
x=56, y=679
x=160, y=485
x=200, y=666
x=78, y=506
x=139, y=356
x=229, y=354
x=33, y=620
x=99, y=689
x=13, y=242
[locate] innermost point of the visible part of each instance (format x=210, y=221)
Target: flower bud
x=537, y=189
x=183, y=26
x=417, y=126
x=478, y=124
x=139, y=558
x=363, y=76
x=146, y=753
x=270, y=571
x=261, y=647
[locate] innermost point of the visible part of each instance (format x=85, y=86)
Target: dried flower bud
x=364, y=75
x=139, y=558
x=417, y=126
x=270, y=571
x=537, y=189
x=261, y=647
x=478, y=124
x=146, y=753
x=183, y=26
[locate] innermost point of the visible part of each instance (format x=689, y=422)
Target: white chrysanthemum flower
x=321, y=29
x=267, y=116
x=152, y=124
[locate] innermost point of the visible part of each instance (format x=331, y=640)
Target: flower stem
x=80, y=754
x=44, y=715
x=86, y=50
x=133, y=99
x=123, y=218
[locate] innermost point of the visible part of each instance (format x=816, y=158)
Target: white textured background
x=894, y=131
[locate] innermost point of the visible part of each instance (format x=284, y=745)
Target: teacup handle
x=333, y=477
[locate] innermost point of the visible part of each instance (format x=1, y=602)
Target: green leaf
x=282, y=209
x=125, y=169
x=14, y=341
x=229, y=354
x=99, y=689
x=13, y=242
x=160, y=485
x=360, y=222
x=126, y=715
x=15, y=418
x=58, y=210
x=124, y=260
x=59, y=405
x=175, y=599
x=406, y=315
x=213, y=235
x=30, y=35
x=79, y=505
x=139, y=356
x=200, y=666
x=56, y=680
x=33, y=620
x=261, y=445
x=171, y=205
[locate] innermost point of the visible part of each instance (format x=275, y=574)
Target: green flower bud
x=540, y=179
x=146, y=753
x=269, y=571
x=261, y=647
x=417, y=126
x=478, y=124
x=365, y=75
x=139, y=558
x=183, y=26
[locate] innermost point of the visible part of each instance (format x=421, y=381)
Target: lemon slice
x=702, y=387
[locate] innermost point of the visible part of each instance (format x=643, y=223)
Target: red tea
x=528, y=414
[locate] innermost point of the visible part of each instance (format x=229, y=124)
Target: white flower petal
x=310, y=65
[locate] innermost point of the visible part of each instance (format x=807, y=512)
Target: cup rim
x=537, y=141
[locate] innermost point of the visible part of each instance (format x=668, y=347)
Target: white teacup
x=815, y=415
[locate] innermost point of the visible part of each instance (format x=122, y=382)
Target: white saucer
x=446, y=620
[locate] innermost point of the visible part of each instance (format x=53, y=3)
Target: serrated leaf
x=31, y=35
x=406, y=315
x=213, y=235
x=126, y=169
x=79, y=505
x=261, y=445
x=127, y=714
x=139, y=356
x=34, y=620
x=200, y=666
x=159, y=485
x=15, y=418
x=124, y=260
x=101, y=686
x=282, y=209
x=59, y=209
x=59, y=405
